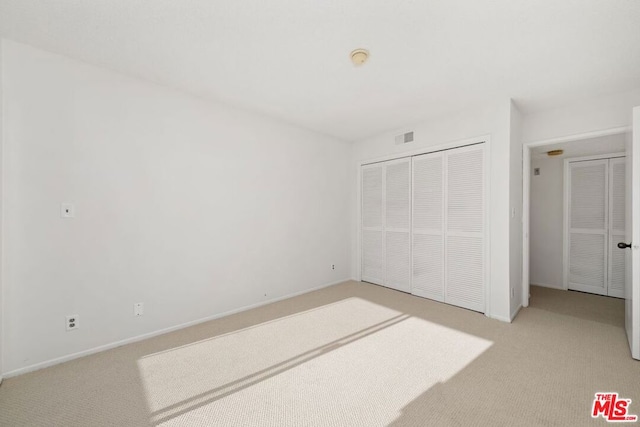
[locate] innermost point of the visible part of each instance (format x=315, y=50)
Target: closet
x=594, y=224
x=386, y=222
x=423, y=225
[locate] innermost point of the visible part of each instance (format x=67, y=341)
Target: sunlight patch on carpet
x=349, y=361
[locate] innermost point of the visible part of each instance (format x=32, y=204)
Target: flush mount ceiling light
x=359, y=56
x=555, y=153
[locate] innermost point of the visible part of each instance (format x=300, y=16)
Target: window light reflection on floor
x=326, y=360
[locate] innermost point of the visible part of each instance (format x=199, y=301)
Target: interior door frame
x=526, y=191
x=482, y=139
x=632, y=279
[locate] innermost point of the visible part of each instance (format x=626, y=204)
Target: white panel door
x=373, y=223
x=616, y=267
x=464, y=228
x=428, y=226
x=397, y=222
x=588, y=226
x=632, y=232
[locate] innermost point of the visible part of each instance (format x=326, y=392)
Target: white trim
x=526, y=200
x=579, y=136
x=565, y=226
x=358, y=272
x=487, y=225
x=526, y=192
x=499, y=317
x=546, y=285
x=3, y=162
x=429, y=149
x=62, y=359
x=595, y=157
x=633, y=301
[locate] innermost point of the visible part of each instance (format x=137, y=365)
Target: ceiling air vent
x=404, y=138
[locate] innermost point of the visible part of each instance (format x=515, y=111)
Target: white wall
x=515, y=197
x=593, y=114
x=193, y=208
x=493, y=120
x=546, y=210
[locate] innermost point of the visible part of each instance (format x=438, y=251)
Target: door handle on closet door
x=623, y=245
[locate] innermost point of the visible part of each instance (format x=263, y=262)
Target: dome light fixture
x=359, y=56
x=555, y=153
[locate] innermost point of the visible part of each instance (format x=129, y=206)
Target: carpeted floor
x=350, y=355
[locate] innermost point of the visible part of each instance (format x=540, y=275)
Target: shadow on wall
x=353, y=354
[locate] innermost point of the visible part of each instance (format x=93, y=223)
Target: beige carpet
x=349, y=355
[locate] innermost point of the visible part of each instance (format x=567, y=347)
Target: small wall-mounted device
x=73, y=322
x=138, y=309
x=536, y=171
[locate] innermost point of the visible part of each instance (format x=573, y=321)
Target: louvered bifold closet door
x=398, y=224
x=588, y=223
x=617, y=170
x=372, y=223
x=428, y=226
x=464, y=228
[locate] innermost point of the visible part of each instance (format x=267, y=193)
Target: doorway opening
x=559, y=253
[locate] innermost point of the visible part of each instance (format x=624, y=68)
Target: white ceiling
x=290, y=58
x=585, y=147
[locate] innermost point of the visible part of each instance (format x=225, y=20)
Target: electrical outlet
x=73, y=322
x=333, y=266
x=138, y=309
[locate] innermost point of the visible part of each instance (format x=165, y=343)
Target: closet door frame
x=483, y=139
x=566, y=207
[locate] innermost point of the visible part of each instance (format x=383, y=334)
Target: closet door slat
x=588, y=225
x=372, y=224
x=398, y=224
x=428, y=226
x=464, y=231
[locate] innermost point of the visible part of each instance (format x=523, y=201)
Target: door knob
x=623, y=245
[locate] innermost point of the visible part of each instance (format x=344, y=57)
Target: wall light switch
x=67, y=210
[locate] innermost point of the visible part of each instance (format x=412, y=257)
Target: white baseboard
x=66, y=358
x=544, y=285
x=500, y=318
